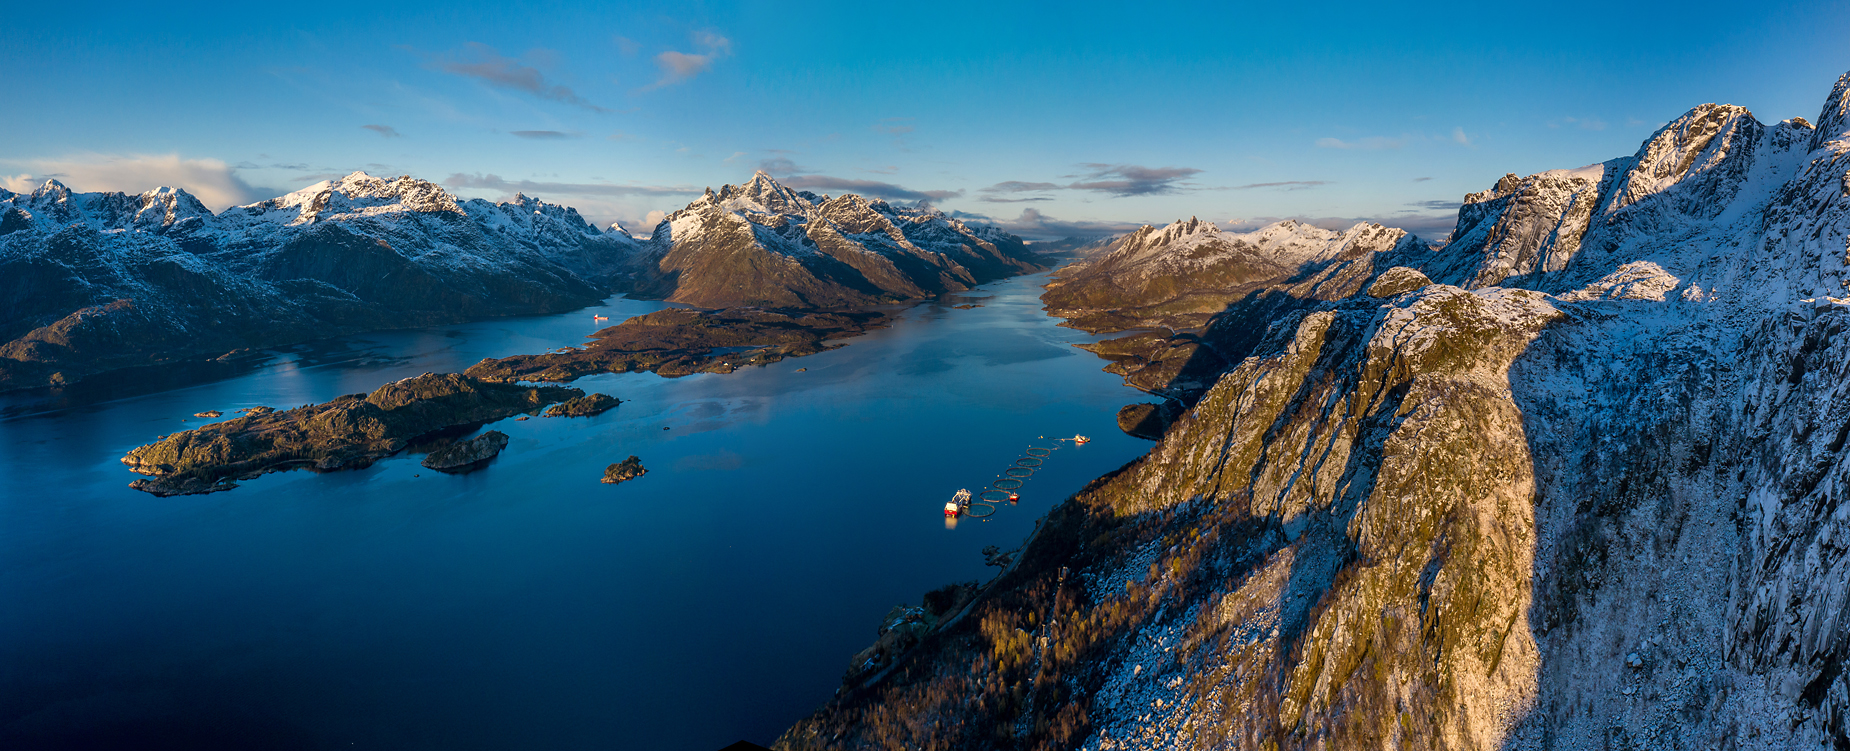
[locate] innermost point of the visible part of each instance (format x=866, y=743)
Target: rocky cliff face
x=1583, y=491
x=764, y=244
x=96, y=281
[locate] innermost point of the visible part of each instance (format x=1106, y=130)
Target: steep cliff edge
x=1583, y=491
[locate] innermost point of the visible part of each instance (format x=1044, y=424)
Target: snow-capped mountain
x=1180, y=275
x=1584, y=487
x=762, y=243
x=96, y=281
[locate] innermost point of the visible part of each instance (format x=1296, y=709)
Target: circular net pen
x=1028, y=461
x=1007, y=483
x=979, y=510
x=1019, y=473
x=1038, y=452
x=994, y=496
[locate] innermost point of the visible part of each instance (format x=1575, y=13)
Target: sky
x=1049, y=119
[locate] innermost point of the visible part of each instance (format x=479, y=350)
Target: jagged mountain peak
x=1716, y=139
x=358, y=194
x=1834, y=120
x=52, y=189
x=762, y=194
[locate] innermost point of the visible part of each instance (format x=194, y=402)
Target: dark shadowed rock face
x=350, y=432
x=463, y=456
x=1147, y=421
x=1601, y=510
x=584, y=406
x=677, y=342
x=623, y=471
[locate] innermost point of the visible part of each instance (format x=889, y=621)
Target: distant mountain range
x=91, y=282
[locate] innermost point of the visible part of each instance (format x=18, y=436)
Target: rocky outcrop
x=763, y=244
x=1600, y=510
x=677, y=341
x=465, y=456
x=584, y=406
x=350, y=432
x=1146, y=421
x=624, y=471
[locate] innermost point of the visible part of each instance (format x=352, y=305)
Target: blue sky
x=1050, y=118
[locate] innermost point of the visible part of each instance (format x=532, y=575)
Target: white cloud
x=19, y=183
x=215, y=183
x=678, y=67
x=1458, y=136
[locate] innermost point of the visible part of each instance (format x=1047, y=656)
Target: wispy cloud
x=794, y=175
x=544, y=135
x=1371, y=143
x=626, y=45
x=213, y=182
x=1437, y=205
x=1283, y=185
x=873, y=188
x=1018, y=186
x=679, y=67
x=483, y=63
x=383, y=130
x=1132, y=180
x=1118, y=180
x=496, y=182
x=1034, y=225
x=1421, y=179
x=1459, y=137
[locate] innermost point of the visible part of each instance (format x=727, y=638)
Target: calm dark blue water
x=527, y=605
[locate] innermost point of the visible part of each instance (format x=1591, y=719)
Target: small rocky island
x=628, y=469
x=350, y=432
x=467, y=456
x=584, y=406
x=680, y=341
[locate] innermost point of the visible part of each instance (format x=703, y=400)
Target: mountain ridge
x=1581, y=488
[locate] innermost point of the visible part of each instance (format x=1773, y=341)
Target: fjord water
x=527, y=605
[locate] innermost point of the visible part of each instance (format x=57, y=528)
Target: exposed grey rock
x=1396, y=281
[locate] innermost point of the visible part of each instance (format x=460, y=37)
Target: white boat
x=959, y=504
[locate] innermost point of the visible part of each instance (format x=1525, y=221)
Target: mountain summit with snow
x=97, y=281
x=762, y=243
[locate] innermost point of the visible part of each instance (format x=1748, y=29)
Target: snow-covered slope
x=94, y=281
x=1582, y=489
x=762, y=243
